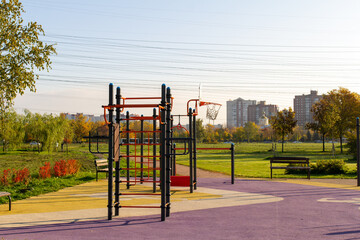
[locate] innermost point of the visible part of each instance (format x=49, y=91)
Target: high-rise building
x=237, y=112
x=255, y=112
x=302, y=107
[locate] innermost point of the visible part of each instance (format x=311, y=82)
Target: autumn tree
x=22, y=54
x=238, y=134
x=283, y=124
x=326, y=115
x=346, y=105
x=81, y=126
x=251, y=131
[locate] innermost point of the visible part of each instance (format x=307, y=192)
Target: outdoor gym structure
x=151, y=151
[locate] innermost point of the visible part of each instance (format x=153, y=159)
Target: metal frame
x=167, y=149
x=164, y=118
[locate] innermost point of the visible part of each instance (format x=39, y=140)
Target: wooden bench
x=291, y=160
x=4, y=194
x=101, y=165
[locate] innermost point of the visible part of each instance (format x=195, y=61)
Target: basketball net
x=212, y=110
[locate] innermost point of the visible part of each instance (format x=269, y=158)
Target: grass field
x=251, y=159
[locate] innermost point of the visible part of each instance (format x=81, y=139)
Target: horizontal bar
x=134, y=106
x=139, y=206
x=140, y=194
x=139, y=118
x=137, y=156
x=140, y=168
x=141, y=144
x=184, y=139
x=137, y=181
x=133, y=131
x=141, y=98
x=204, y=148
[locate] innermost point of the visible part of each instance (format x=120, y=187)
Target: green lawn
x=251, y=159
x=25, y=157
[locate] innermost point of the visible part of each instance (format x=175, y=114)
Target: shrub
x=21, y=176
x=332, y=166
x=73, y=166
x=60, y=168
x=63, y=168
x=45, y=171
x=6, y=177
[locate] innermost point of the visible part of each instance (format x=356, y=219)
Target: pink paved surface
x=299, y=216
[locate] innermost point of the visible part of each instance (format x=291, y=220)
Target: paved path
x=249, y=209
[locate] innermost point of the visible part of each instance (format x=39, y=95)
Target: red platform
x=180, y=181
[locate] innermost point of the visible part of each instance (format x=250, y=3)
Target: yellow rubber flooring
x=93, y=195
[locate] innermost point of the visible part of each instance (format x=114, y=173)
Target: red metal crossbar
x=140, y=144
x=140, y=168
x=137, y=156
x=133, y=131
x=205, y=148
x=137, y=181
x=139, y=118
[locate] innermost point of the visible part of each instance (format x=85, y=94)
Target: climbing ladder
x=157, y=149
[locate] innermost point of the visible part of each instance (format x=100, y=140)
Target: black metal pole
x=191, y=152
x=168, y=149
x=128, y=150
x=194, y=149
x=358, y=151
x=117, y=164
x=232, y=163
x=110, y=157
x=174, y=158
x=154, y=150
x=142, y=150
x=162, y=153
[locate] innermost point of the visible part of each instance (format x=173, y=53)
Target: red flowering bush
x=21, y=176
x=60, y=168
x=63, y=168
x=73, y=166
x=6, y=177
x=45, y=171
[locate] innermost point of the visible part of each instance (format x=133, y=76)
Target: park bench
x=4, y=194
x=290, y=160
x=101, y=165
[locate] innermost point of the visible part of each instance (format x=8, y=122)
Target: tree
x=12, y=130
x=283, y=124
x=46, y=129
x=347, y=105
x=251, y=131
x=238, y=134
x=22, y=53
x=326, y=115
x=81, y=127
x=322, y=117
x=200, y=130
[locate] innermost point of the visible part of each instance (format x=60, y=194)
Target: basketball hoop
x=212, y=110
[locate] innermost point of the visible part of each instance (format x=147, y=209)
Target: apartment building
x=237, y=112
x=255, y=112
x=302, y=107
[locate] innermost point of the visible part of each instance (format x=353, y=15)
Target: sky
x=264, y=50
